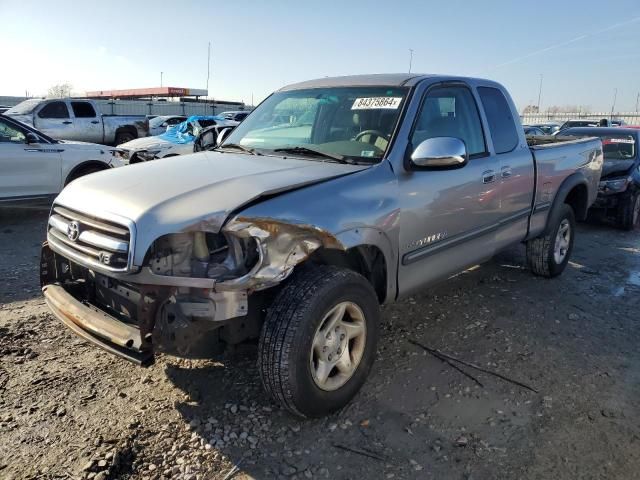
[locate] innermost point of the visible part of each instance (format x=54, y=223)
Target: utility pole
x=539, y=93
x=161, y=78
x=613, y=105
x=637, y=101
x=208, y=66
x=410, y=58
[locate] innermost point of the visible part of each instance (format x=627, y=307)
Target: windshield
x=350, y=122
x=24, y=108
x=157, y=121
x=621, y=147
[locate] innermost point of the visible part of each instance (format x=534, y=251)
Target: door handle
x=505, y=172
x=66, y=122
x=488, y=176
x=95, y=121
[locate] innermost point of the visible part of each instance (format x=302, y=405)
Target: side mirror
x=31, y=138
x=440, y=152
x=165, y=124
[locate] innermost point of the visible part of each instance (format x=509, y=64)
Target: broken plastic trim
x=281, y=246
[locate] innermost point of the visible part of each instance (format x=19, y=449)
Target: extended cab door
x=53, y=119
x=517, y=174
x=86, y=122
x=28, y=170
x=448, y=217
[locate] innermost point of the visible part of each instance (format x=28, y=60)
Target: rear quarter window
x=502, y=125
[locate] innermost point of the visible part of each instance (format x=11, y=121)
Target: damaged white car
x=332, y=197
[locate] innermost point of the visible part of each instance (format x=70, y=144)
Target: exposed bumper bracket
x=97, y=327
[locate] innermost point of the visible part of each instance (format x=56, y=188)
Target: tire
x=287, y=360
x=541, y=251
x=629, y=212
x=124, y=137
x=81, y=173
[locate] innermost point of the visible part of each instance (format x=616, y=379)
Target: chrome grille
x=92, y=242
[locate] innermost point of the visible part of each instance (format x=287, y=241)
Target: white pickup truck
x=79, y=119
x=37, y=167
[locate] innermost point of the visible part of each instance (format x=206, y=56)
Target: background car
x=159, y=124
x=531, y=130
x=549, y=128
x=236, y=116
x=34, y=166
x=619, y=188
x=177, y=140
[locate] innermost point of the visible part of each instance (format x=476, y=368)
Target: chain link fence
x=630, y=118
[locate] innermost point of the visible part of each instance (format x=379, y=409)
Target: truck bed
x=556, y=158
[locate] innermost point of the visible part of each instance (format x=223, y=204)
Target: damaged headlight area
x=203, y=255
x=249, y=254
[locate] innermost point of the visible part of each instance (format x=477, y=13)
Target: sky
x=584, y=49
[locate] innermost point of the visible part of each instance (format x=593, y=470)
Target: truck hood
x=28, y=119
x=190, y=192
x=146, y=143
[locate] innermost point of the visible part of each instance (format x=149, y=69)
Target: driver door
x=53, y=119
x=28, y=170
x=448, y=216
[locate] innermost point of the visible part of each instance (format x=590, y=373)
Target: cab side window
x=54, y=110
x=501, y=122
x=450, y=112
x=83, y=110
x=11, y=134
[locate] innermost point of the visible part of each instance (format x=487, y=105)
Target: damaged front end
x=195, y=290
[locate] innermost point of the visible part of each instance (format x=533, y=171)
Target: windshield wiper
x=313, y=151
x=237, y=146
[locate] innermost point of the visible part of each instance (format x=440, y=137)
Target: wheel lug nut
x=324, y=349
x=342, y=336
x=330, y=357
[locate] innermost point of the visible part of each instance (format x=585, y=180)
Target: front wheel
x=319, y=339
x=549, y=254
x=629, y=212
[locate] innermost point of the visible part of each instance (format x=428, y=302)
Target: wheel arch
x=367, y=260
x=89, y=164
x=368, y=251
x=127, y=129
x=574, y=191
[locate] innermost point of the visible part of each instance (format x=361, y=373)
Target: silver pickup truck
x=333, y=197
x=79, y=119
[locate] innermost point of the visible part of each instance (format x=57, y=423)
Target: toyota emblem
x=73, y=231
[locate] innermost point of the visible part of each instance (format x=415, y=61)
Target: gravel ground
x=69, y=410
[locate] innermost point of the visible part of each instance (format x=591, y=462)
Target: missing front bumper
x=97, y=327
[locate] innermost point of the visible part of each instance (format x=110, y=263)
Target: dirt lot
x=69, y=410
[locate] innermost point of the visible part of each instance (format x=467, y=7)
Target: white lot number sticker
x=391, y=103
x=620, y=140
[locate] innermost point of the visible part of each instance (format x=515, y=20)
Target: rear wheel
x=549, y=254
x=629, y=212
x=318, y=341
x=124, y=137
